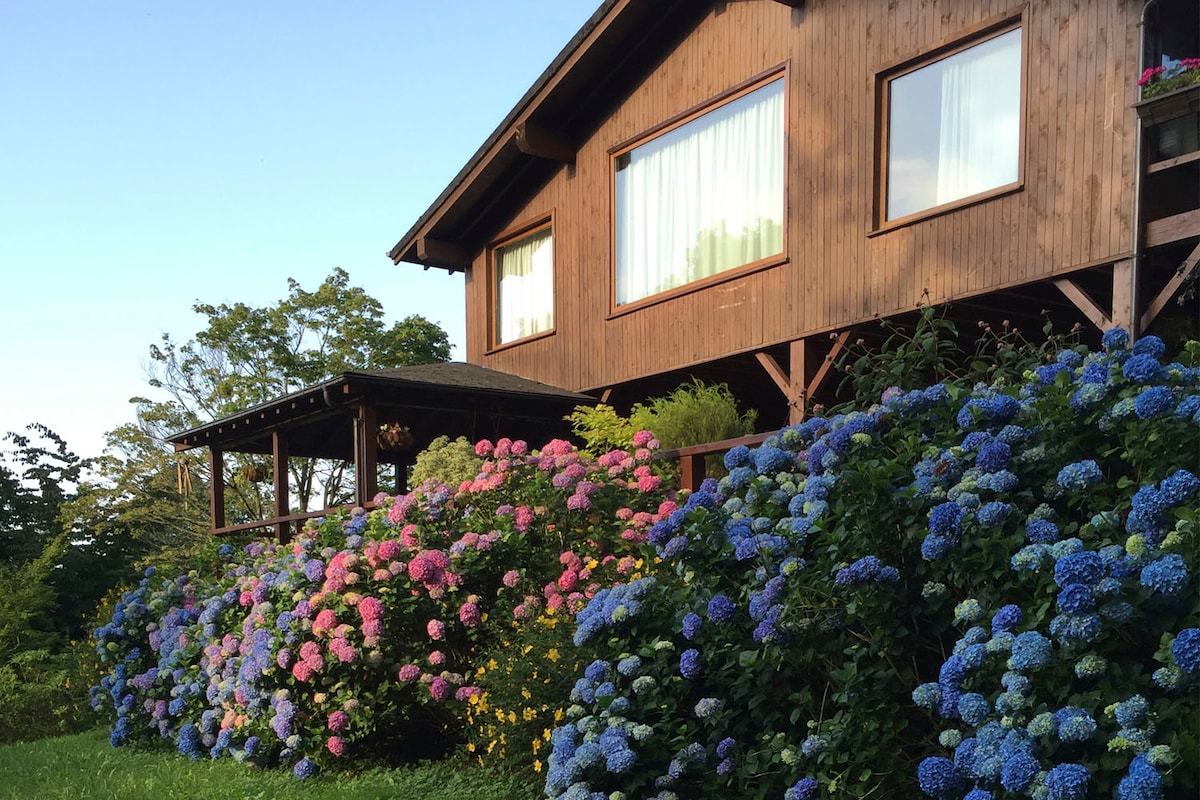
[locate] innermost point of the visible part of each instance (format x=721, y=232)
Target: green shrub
x=447, y=462
x=695, y=413
x=601, y=428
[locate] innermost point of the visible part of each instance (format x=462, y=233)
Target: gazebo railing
x=691, y=458
x=283, y=525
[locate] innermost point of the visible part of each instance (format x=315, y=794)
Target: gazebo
x=341, y=418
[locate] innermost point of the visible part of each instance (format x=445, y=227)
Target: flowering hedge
x=961, y=592
x=364, y=636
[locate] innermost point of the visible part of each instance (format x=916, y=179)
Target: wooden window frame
x=960, y=42
x=777, y=72
x=507, y=237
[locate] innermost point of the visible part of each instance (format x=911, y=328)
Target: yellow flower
x=528, y=714
x=512, y=716
x=491, y=664
x=470, y=747
x=537, y=765
x=552, y=654
x=537, y=745
x=558, y=715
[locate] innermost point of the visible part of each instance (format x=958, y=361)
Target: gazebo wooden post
x=216, y=487
x=366, y=454
x=402, y=465
x=279, y=454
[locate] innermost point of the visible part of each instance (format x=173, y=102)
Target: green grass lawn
x=85, y=767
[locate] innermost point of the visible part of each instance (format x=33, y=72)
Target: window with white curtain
x=524, y=286
x=705, y=197
x=954, y=126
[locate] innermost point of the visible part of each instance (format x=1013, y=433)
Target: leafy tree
x=246, y=355
x=36, y=476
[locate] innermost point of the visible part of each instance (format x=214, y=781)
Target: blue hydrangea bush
x=961, y=592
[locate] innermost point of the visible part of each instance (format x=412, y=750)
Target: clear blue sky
x=156, y=153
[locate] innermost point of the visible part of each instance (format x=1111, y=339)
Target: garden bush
x=362, y=638
x=961, y=592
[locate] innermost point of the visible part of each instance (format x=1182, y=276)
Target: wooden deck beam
x=535, y=140
x=1084, y=303
x=1164, y=296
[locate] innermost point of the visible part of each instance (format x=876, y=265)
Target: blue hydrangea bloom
x=1083, y=567
x=973, y=708
x=689, y=664
x=1067, y=782
x=1115, y=338
x=737, y=457
x=1150, y=346
x=1080, y=475
x=1142, y=369
x=1076, y=598
x=1018, y=771
x=939, y=778
x=803, y=789
x=305, y=768
x=691, y=625
x=1031, y=650
x=993, y=456
x=1132, y=712
x=1142, y=781
x=1007, y=618
x=1166, y=575
x=1041, y=531
x=1074, y=724
x=1153, y=401
x=1186, y=650
x=721, y=609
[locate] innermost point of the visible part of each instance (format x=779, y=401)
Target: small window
x=524, y=286
x=953, y=126
x=702, y=198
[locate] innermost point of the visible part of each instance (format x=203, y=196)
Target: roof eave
x=416, y=247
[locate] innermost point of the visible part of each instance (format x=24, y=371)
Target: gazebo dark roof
x=340, y=419
x=454, y=398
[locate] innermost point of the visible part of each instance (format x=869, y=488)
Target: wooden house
x=730, y=189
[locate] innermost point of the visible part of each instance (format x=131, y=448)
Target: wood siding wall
x=1073, y=210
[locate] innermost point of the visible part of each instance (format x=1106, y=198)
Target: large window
x=704, y=197
x=954, y=126
x=524, y=286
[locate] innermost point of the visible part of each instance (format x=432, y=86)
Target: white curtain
x=703, y=198
x=979, y=142
x=525, y=287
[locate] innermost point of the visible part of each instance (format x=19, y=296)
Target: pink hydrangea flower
x=465, y=693
x=568, y=580
x=483, y=448
x=325, y=620
x=440, y=689
x=519, y=447
x=511, y=578
x=388, y=550
x=338, y=721
x=579, y=502
x=336, y=745
x=370, y=608
x=302, y=671
x=523, y=517
x=437, y=658
x=469, y=614
x=436, y=629
x=642, y=438
x=409, y=672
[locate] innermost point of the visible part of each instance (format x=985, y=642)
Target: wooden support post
x=691, y=472
x=797, y=393
x=402, y=465
x=279, y=456
x=1123, y=313
x=366, y=454
x=216, y=487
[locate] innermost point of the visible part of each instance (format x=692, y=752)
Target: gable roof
x=601, y=64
